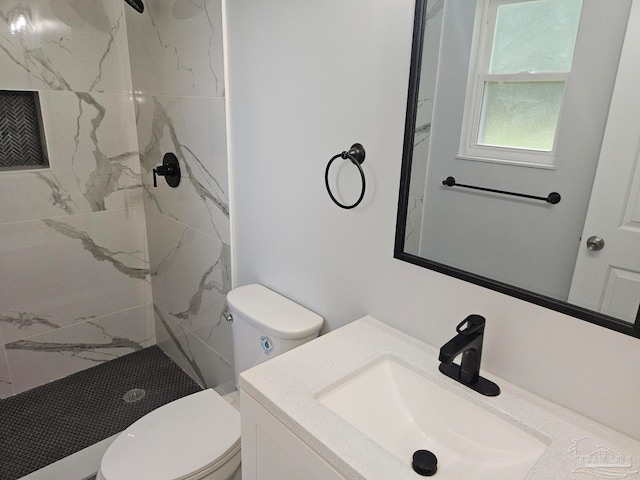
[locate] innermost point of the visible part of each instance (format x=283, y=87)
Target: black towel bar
x=553, y=198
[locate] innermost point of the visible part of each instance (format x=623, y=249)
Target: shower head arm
x=137, y=5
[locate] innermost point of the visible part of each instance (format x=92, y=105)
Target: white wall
x=308, y=78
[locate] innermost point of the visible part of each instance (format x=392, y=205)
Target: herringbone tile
x=20, y=139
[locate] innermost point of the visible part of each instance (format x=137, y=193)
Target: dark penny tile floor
x=48, y=423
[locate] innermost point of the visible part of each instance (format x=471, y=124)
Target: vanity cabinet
x=270, y=451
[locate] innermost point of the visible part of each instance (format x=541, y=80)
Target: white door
x=608, y=280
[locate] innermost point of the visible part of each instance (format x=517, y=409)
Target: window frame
x=479, y=76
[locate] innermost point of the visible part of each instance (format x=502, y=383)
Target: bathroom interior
x=104, y=263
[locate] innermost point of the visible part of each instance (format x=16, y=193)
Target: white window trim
x=469, y=149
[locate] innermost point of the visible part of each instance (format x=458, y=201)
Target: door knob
x=595, y=243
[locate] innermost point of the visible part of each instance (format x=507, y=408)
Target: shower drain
x=134, y=395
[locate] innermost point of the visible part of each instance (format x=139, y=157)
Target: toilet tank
x=266, y=324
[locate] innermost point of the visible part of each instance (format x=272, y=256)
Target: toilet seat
x=182, y=440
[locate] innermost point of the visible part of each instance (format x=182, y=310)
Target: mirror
x=518, y=124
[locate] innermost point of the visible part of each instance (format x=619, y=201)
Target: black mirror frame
x=591, y=316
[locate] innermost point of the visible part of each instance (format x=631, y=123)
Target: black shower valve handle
x=170, y=170
x=163, y=171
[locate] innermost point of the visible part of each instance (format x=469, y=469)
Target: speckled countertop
x=289, y=385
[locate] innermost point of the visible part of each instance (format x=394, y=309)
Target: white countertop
x=289, y=385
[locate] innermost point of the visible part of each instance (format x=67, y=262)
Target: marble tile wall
x=177, y=74
x=75, y=287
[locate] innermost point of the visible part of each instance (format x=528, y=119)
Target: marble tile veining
x=75, y=279
x=65, y=45
x=196, y=358
x=193, y=129
x=178, y=78
x=100, y=253
x=56, y=354
x=92, y=142
x=190, y=274
x=176, y=48
x=71, y=269
x=93, y=155
x=74, y=237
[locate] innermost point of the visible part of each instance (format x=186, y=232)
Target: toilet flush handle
x=227, y=314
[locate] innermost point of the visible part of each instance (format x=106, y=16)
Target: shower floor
x=48, y=423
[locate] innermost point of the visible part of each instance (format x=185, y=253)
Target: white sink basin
x=403, y=412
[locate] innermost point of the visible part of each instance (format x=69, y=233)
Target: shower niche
x=22, y=141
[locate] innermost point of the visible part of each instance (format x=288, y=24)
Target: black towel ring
x=356, y=154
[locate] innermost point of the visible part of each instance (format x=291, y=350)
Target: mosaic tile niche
x=21, y=135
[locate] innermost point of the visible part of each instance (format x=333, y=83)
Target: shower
x=136, y=4
x=90, y=305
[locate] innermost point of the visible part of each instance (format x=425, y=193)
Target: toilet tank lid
x=273, y=313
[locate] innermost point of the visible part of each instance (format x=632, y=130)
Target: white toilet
x=198, y=437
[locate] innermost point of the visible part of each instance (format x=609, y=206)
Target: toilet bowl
x=198, y=436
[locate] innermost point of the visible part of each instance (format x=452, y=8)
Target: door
x=607, y=278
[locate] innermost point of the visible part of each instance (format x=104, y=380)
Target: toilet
x=197, y=437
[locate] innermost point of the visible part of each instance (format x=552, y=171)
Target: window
x=515, y=92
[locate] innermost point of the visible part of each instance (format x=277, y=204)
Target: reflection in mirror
x=519, y=99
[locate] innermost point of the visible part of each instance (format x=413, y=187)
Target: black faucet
x=468, y=342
